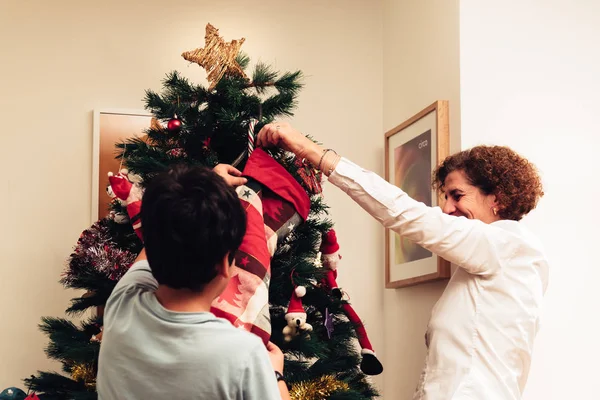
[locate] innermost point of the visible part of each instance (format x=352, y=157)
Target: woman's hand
x=232, y=175
x=282, y=134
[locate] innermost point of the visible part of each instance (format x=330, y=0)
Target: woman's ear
x=492, y=202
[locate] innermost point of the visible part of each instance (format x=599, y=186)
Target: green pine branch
x=82, y=304
x=280, y=104
x=69, y=344
x=242, y=59
x=263, y=77
x=290, y=82
x=58, y=387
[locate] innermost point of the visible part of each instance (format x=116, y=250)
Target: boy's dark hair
x=191, y=218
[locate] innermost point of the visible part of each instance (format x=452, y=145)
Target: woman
x=481, y=332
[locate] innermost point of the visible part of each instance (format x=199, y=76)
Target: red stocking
x=275, y=204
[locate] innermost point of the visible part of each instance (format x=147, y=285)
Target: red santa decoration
x=127, y=189
x=330, y=259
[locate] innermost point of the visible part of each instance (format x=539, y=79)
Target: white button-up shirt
x=481, y=332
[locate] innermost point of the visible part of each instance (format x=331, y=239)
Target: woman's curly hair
x=496, y=170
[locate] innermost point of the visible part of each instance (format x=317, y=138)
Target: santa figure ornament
x=330, y=258
x=126, y=187
x=296, y=316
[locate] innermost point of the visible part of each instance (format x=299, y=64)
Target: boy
x=160, y=340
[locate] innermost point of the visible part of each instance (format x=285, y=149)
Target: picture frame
x=111, y=126
x=412, y=150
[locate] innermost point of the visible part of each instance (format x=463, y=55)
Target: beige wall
x=530, y=81
x=62, y=59
x=420, y=65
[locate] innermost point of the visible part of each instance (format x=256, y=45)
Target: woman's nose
x=449, y=207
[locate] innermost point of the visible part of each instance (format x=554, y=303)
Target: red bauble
x=174, y=124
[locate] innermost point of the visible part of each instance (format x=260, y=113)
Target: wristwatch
x=278, y=376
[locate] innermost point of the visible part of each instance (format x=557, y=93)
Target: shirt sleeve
x=258, y=378
x=471, y=244
x=139, y=275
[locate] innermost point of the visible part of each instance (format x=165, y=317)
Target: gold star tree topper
x=217, y=57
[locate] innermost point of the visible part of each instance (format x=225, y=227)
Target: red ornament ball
x=174, y=124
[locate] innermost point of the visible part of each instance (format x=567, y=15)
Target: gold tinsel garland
x=84, y=373
x=318, y=389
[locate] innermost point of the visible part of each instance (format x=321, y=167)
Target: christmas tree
x=304, y=312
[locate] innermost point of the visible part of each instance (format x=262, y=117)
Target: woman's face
x=466, y=200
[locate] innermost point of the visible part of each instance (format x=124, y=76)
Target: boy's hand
x=232, y=175
x=276, y=356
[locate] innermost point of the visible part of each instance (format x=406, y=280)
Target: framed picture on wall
x=111, y=126
x=412, y=150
